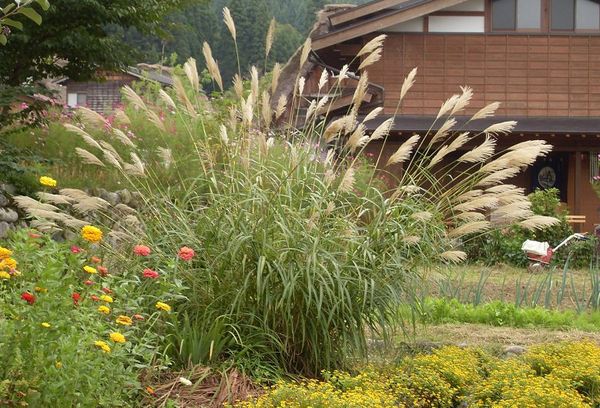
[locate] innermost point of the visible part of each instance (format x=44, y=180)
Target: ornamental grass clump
x=290, y=248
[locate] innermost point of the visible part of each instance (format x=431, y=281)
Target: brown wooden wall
x=101, y=96
x=532, y=75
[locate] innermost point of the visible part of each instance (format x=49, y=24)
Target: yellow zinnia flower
x=91, y=234
x=4, y=275
x=8, y=263
x=124, y=320
x=47, y=181
x=104, y=309
x=106, y=298
x=40, y=290
x=102, y=344
x=163, y=306
x=58, y=364
x=5, y=253
x=90, y=270
x=46, y=325
x=117, y=337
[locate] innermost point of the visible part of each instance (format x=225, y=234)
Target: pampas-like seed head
x=88, y=158
x=373, y=114
x=481, y=153
x=357, y=139
x=323, y=79
x=91, y=204
x=238, y=86
x=333, y=130
x=267, y=113
x=166, y=156
x=453, y=256
x=229, y=23
x=447, y=106
x=301, y=83
x=182, y=96
x=372, y=45
x=166, y=98
x=54, y=198
x=121, y=117
x=422, y=216
x=191, y=71
x=212, y=65
x=306, y=48
x=501, y=128
x=110, y=158
x=133, y=98
x=443, y=131
x=347, y=182
x=371, y=59
x=122, y=137
x=469, y=228
x=28, y=203
x=86, y=137
x=408, y=83
x=382, y=130
x=463, y=100
x=404, y=151
x=74, y=194
x=155, y=120
x=276, y=73
x=487, y=111
x=281, y=105
x=92, y=117
x=538, y=222
x=270, y=37
x=107, y=146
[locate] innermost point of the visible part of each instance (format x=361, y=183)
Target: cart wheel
x=535, y=268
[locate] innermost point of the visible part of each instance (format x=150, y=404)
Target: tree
x=12, y=10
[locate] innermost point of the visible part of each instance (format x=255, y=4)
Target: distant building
x=104, y=95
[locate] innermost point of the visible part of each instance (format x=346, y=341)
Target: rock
x=513, y=351
x=9, y=188
x=8, y=215
x=4, y=228
x=3, y=200
x=112, y=198
x=125, y=196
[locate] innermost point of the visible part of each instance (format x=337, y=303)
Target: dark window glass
x=504, y=14
x=562, y=15
x=529, y=14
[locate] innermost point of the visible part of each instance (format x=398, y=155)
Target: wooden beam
x=361, y=11
x=577, y=206
x=381, y=23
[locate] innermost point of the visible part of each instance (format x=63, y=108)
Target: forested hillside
x=186, y=31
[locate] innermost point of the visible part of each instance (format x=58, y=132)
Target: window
x=76, y=99
x=570, y=15
x=511, y=15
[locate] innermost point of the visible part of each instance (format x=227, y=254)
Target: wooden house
x=539, y=58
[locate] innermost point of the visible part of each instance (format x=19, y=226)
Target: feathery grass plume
x=487, y=111
x=306, y=49
x=422, y=216
x=503, y=219
x=125, y=209
x=44, y=226
x=453, y=256
x=411, y=240
x=88, y=158
x=107, y=146
x=267, y=113
x=166, y=98
x=467, y=196
x=503, y=189
x=166, y=156
x=469, y=228
x=447, y=106
x=254, y=83
x=74, y=194
x=155, y=120
x=270, y=37
x=382, y=130
x=523, y=204
x=324, y=79
x=53, y=198
x=45, y=214
x=459, y=141
x=333, y=130
x=372, y=45
x=74, y=223
x=321, y=105
x=481, y=153
x=463, y=100
x=133, y=98
x=122, y=137
x=247, y=110
x=371, y=59
x=137, y=163
x=228, y=20
x=347, y=181
x=89, y=140
x=281, y=106
x=238, y=86
x=360, y=91
x=438, y=156
x=91, y=117
x=182, y=96
x=343, y=73
x=121, y=117
x=538, y=222
x=275, y=75
x=329, y=158
x=26, y=203
x=373, y=114
x=301, y=83
x=443, y=131
x=468, y=216
x=91, y=204
x=310, y=110
x=498, y=177
x=357, y=139
x=330, y=207
x=479, y=203
x=212, y=65
x=111, y=159
x=501, y=128
x=526, y=145
x=404, y=151
x=191, y=72
x=409, y=81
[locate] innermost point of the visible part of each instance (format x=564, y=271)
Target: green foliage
x=562, y=375
x=12, y=9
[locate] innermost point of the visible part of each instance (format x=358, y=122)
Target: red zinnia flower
x=34, y=235
x=95, y=298
x=95, y=260
x=28, y=297
x=107, y=291
x=138, y=317
x=76, y=297
x=102, y=270
x=186, y=253
x=149, y=273
x=141, y=250
x=88, y=282
x=75, y=249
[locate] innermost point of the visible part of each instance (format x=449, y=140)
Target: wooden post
x=577, y=206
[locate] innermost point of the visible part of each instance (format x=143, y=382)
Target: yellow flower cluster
x=558, y=375
x=47, y=181
x=7, y=264
x=91, y=234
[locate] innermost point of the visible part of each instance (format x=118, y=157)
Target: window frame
x=490, y=4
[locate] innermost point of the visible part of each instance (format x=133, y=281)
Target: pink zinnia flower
x=149, y=273
x=75, y=249
x=107, y=291
x=141, y=250
x=186, y=253
x=102, y=270
x=88, y=282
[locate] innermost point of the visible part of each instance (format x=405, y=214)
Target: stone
x=513, y=351
x=8, y=215
x=125, y=196
x=3, y=200
x=112, y=198
x=8, y=188
x=4, y=228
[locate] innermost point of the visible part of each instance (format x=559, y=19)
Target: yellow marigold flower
x=8, y=263
x=58, y=364
x=124, y=320
x=46, y=325
x=163, y=306
x=5, y=253
x=40, y=289
x=47, y=181
x=104, y=309
x=91, y=234
x=102, y=345
x=106, y=298
x=117, y=337
x=4, y=275
x=90, y=270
